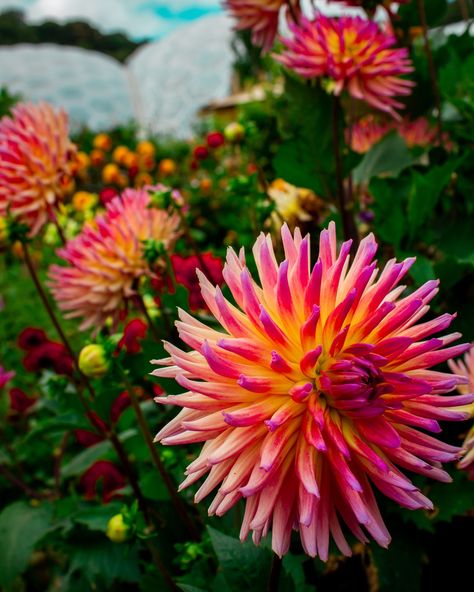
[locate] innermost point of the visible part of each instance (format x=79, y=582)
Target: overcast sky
x=138, y=18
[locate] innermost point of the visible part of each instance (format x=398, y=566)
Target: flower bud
x=234, y=132
x=117, y=531
x=93, y=361
x=4, y=233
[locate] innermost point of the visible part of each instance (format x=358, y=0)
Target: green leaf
x=21, y=528
x=425, y=192
x=387, y=158
x=306, y=157
x=97, y=517
x=245, y=566
x=153, y=487
x=399, y=567
x=390, y=223
x=85, y=459
x=107, y=561
x=408, y=14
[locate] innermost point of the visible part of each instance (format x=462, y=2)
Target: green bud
x=117, y=530
x=93, y=361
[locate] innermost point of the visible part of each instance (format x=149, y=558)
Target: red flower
x=107, y=194
x=49, y=356
x=121, y=403
x=31, y=337
x=185, y=273
x=201, y=152
x=133, y=333
x=102, y=479
x=87, y=438
x=20, y=402
x=215, y=139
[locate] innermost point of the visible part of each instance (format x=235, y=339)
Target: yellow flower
x=3, y=232
x=102, y=142
x=120, y=153
x=167, y=167
x=111, y=173
x=82, y=161
x=145, y=148
x=83, y=200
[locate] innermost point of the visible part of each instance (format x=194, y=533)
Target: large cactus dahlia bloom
x=107, y=259
x=261, y=16
x=313, y=392
x=465, y=368
x=355, y=54
x=37, y=160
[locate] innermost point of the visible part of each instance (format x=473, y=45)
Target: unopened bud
x=93, y=361
x=117, y=531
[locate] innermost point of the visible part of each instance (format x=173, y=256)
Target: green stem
x=275, y=572
x=431, y=66
x=345, y=206
x=147, y=436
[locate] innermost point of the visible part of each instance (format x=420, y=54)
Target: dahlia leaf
x=21, y=528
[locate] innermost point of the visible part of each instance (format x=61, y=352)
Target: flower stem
x=464, y=9
x=275, y=572
x=431, y=66
x=49, y=309
x=345, y=207
x=192, y=244
x=138, y=298
x=109, y=435
x=170, y=486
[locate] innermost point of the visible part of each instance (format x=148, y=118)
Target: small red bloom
x=20, y=402
x=185, y=273
x=133, y=333
x=102, y=479
x=121, y=403
x=215, y=139
x=31, y=337
x=49, y=356
x=201, y=152
x=87, y=438
x=107, y=194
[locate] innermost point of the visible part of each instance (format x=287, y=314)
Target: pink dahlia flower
x=366, y=132
x=106, y=260
x=466, y=368
x=355, y=54
x=37, y=161
x=261, y=16
x=317, y=389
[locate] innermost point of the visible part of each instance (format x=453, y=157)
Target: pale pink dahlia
x=313, y=392
x=355, y=54
x=37, y=160
x=106, y=260
x=261, y=16
x=466, y=368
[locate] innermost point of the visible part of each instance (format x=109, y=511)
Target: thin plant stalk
x=109, y=435
x=147, y=436
x=345, y=207
x=292, y=11
x=138, y=299
x=464, y=10
x=275, y=572
x=431, y=66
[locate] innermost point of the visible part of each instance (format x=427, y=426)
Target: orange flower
x=102, y=142
x=36, y=163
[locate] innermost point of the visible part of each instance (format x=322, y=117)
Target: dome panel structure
x=92, y=87
x=181, y=73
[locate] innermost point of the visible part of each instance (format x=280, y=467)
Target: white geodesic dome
x=92, y=87
x=180, y=73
